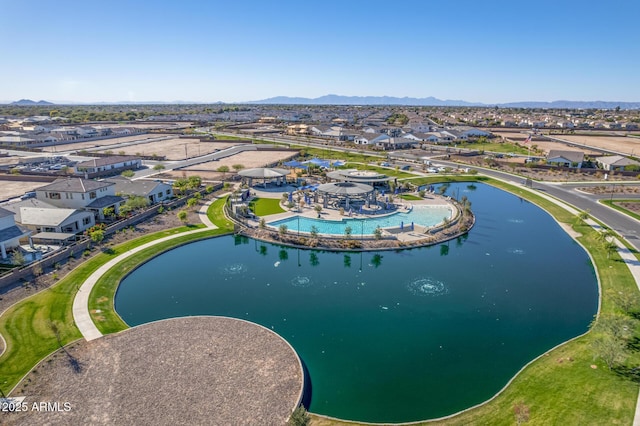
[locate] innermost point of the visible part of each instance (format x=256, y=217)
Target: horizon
x=243, y=53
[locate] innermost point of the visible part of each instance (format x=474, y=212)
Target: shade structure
x=263, y=173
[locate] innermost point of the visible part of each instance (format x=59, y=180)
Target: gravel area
x=194, y=371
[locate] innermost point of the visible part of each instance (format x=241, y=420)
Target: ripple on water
x=427, y=287
x=234, y=269
x=516, y=220
x=300, y=281
x=515, y=251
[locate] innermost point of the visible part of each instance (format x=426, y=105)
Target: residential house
x=565, y=158
x=10, y=233
x=397, y=143
x=616, y=162
x=82, y=194
x=370, y=138
x=153, y=190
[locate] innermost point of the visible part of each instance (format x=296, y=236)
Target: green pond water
x=397, y=335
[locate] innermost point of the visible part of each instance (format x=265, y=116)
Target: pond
x=397, y=335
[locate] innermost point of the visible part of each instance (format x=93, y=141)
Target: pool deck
x=407, y=235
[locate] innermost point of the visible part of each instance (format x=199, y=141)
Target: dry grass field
x=542, y=144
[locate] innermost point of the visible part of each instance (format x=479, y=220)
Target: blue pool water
x=419, y=215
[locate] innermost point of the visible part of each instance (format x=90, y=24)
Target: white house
x=370, y=138
x=83, y=194
x=10, y=233
x=68, y=221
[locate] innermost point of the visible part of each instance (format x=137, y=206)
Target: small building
x=565, y=158
x=115, y=164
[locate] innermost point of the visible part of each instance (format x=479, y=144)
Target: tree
x=238, y=167
x=282, y=230
x=128, y=173
x=299, y=417
x=194, y=182
x=611, y=350
x=158, y=166
x=318, y=209
x=263, y=223
x=223, y=170
x=314, y=231
x=97, y=236
x=182, y=215
x=347, y=232
x=108, y=212
x=180, y=186
x=192, y=202
x=377, y=233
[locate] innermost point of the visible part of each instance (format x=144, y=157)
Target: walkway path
x=81, y=314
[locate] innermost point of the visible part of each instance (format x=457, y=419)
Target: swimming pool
x=419, y=215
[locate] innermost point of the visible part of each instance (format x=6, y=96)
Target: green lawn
x=265, y=206
x=410, y=197
x=612, y=204
x=507, y=148
x=382, y=170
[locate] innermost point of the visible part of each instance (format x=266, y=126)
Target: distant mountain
x=364, y=100
x=573, y=105
x=29, y=102
x=431, y=101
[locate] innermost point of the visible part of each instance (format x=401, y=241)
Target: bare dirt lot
x=78, y=145
x=174, y=149
x=627, y=145
x=11, y=189
x=542, y=144
x=249, y=159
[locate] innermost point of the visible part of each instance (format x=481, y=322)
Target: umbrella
x=291, y=196
x=412, y=226
x=401, y=226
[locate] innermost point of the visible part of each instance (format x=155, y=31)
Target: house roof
x=31, y=202
x=12, y=232
x=5, y=212
x=617, y=160
x=573, y=156
x=107, y=161
x=75, y=185
x=137, y=187
x=106, y=201
x=46, y=217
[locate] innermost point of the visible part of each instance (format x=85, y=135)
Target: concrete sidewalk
x=81, y=314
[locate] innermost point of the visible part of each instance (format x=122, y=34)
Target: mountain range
x=431, y=101
x=372, y=100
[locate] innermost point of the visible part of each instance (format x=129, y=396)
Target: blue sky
x=234, y=51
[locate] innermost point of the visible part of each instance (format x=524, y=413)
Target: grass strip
x=613, y=205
